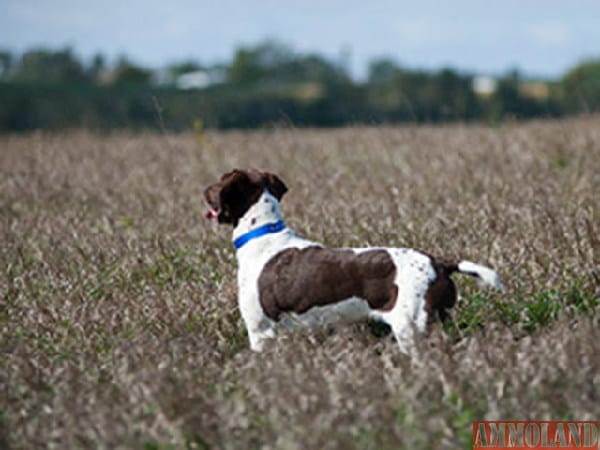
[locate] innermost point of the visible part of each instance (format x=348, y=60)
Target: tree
x=245, y=68
x=184, y=67
x=45, y=66
x=97, y=66
x=128, y=73
x=273, y=62
x=253, y=64
x=508, y=101
x=454, y=97
x=580, y=87
x=6, y=61
x=382, y=71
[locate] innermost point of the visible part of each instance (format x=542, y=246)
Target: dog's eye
x=267, y=200
x=253, y=221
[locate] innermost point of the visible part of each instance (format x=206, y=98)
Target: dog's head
x=230, y=198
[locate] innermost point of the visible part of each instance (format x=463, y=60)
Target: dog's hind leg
x=404, y=335
x=408, y=319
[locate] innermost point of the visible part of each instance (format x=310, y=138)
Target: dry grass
x=119, y=327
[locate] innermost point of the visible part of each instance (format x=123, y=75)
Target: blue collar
x=269, y=228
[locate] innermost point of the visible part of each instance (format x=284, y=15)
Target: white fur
x=414, y=274
x=486, y=276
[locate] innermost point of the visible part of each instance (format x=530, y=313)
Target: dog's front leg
x=258, y=335
x=259, y=327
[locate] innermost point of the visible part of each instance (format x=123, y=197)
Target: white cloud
x=549, y=33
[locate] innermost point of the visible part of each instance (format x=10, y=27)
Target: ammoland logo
x=522, y=434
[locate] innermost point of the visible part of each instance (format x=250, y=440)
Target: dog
x=286, y=280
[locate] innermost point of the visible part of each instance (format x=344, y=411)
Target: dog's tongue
x=212, y=214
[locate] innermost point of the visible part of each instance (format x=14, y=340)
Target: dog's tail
x=485, y=276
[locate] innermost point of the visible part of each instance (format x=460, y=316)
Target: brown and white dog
x=284, y=279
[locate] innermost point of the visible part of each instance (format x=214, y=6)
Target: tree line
x=265, y=84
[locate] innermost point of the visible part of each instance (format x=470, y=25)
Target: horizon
x=540, y=41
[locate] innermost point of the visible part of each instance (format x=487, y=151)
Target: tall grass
x=118, y=318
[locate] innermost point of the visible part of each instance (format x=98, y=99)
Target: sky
x=540, y=38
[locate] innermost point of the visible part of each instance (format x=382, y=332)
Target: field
x=118, y=318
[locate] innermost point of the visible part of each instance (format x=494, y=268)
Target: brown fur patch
x=441, y=294
x=295, y=280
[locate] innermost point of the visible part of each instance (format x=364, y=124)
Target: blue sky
x=542, y=38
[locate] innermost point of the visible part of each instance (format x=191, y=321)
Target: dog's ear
x=275, y=185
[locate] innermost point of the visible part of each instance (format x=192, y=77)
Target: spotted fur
x=279, y=286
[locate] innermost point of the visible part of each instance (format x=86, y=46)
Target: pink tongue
x=212, y=214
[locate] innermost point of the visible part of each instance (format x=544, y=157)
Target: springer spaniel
x=285, y=279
